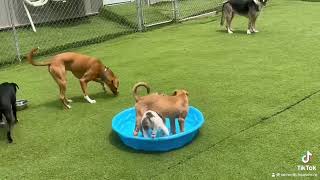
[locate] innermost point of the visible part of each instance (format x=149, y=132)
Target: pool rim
x=192, y=130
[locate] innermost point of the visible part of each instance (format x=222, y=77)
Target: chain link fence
x=56, y=25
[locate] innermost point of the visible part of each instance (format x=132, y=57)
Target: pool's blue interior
x=124, y=123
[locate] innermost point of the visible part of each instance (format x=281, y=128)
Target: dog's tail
x=222, y=14
x=30, y=59
x=135, y=89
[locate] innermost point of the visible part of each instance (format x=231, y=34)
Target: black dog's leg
x=2, y=120
x=10, y=121
x=14, y=109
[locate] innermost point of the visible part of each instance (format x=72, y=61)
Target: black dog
x=8, y=105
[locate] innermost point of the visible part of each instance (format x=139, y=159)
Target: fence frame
x=141, y=25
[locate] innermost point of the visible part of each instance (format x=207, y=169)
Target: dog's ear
x=149, y=115
x=113, y=83
x=15, y=86
x=160, y=115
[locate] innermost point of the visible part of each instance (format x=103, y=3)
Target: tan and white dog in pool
x=152, y=120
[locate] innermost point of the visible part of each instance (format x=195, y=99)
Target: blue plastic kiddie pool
x=124, y=123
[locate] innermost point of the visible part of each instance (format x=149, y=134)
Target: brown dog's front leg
x=173, y=125
x=181, y=124
x=83, y=83
x=102, y=84
x=104, y=87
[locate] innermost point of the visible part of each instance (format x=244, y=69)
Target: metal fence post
x=175, y=10
x=140, y=15
x=15, y=35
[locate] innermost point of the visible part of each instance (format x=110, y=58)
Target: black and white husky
x=248, y=8
x=152, y=120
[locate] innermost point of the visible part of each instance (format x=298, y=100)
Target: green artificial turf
x=258, y=93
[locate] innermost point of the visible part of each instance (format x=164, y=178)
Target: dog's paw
x=248, y=31
x=255, y=31
x=91, y=101
x=173, y=132
x=10, y=140
x=69, y=101
x=229, y=31
x=67, y=107
x=135, y=133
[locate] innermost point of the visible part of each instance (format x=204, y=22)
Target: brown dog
x=85, y=68
x=175, y=106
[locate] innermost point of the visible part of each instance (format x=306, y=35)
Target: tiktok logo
x=306, y=158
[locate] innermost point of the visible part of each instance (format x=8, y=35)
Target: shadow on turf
x=3, y=132
x=234, y=31
x=56, y=104
x=116, y=141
